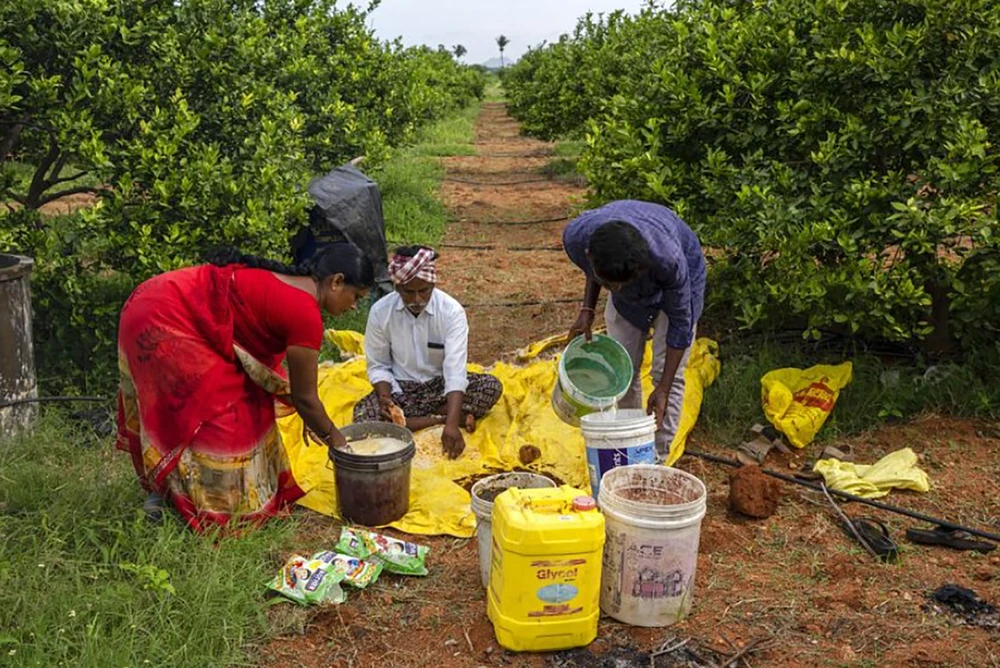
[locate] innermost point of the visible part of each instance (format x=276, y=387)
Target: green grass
x=410, y=178
x=494, y=90
x=450, y=136
x=879, y=393
x=86, y=581
x=569, y=148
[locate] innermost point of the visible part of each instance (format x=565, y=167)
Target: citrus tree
x=839, y=156
x=193, y=123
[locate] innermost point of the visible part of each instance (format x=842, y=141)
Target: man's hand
x=657, y=404
x=385, y=404
x=584, y=324
x=452, y=441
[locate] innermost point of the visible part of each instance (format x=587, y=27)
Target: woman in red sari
x=200, y=353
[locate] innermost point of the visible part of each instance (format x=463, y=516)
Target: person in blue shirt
x=653, y=265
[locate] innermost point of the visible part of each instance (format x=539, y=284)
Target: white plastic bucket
x=617, y=438
x=653, y=517
x=483, y=493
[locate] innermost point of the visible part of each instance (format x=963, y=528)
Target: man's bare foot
x=470, y=423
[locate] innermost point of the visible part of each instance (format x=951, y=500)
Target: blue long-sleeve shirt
x=676, y=282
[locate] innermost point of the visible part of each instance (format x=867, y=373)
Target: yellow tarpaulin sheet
x=524, y=416
x=897, y=470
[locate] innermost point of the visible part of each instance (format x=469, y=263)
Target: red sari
x=199, y=355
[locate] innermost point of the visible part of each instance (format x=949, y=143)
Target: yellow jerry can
x=545, y=572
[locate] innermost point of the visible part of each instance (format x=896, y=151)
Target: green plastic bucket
x=593, y=376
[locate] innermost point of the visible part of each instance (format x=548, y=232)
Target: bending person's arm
x=303, y=365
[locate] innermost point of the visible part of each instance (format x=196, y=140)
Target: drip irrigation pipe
x=518, y=304
x=509, y=155
x=512, y=249
x=44, y=400
x=850, y=497
x=477, y=247
x=538, y=221
x=496, y=183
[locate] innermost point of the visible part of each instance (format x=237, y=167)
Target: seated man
x=417, y=345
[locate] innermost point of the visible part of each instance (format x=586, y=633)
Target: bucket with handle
x=373, y=481
x=617, y=438
x=483, y=494
x=593, y=376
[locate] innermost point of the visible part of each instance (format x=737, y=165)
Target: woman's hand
x=337, y=441
x=452, y=441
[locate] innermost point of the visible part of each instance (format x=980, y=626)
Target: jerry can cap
x=584, y=503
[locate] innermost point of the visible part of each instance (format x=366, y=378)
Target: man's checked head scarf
x=403, y=269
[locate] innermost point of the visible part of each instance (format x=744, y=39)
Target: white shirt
x=432, y=345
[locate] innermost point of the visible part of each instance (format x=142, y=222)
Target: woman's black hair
x=341, y=257
x=618, y=252
x=411, y=251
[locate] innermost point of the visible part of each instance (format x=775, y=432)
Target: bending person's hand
x=584, y=325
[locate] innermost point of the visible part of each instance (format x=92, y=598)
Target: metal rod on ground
x=44, y=400
x=851, y=497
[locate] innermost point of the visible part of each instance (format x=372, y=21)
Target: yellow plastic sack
x=798, y=402
x=524, y=416
x=897, y=470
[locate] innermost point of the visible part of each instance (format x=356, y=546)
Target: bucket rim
x=483, y=507
x=589, y=399
x=652, y=510
x=361, y=430
x=371, y=463
x=599, y=421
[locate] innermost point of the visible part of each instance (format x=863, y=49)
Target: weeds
x=880, y=392
x=85, y=580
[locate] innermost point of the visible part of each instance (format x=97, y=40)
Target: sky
x=477, y=23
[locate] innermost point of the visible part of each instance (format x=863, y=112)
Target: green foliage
x=840, y=157
x=202, y=122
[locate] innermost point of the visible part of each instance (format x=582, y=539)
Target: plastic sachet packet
x=396, y=556
x=309, y=581
x=357, y=572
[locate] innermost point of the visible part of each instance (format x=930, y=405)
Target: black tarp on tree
x=348, y=207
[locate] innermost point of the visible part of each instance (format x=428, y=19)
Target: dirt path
x=794, y=578
x=494, y=198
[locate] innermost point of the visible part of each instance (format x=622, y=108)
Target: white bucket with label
x=617, y=438
x=482, y=494
x=653, y=518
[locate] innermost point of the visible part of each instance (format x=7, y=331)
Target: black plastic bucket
x=373, y=490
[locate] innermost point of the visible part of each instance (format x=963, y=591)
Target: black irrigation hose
x=539, y=221
x=44, y=400
x=509, y=155
x=519, y=304
x=850, y=497
x=496, y=183
x=476, y=247
x=831, y=341
x=512, y=249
